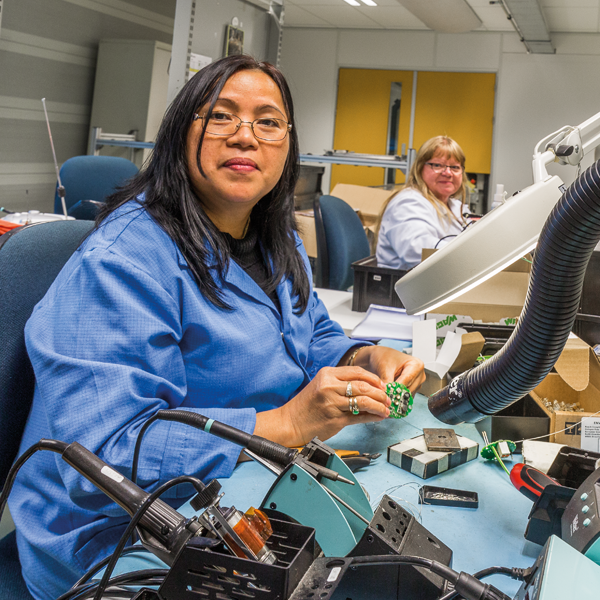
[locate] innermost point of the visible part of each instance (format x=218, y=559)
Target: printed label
x=573, y=428
x=112, y=474
x=575, y=525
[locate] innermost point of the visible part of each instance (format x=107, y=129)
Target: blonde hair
x=451, y=150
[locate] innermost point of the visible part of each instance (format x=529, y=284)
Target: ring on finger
x=349, y=393
x=353, y=403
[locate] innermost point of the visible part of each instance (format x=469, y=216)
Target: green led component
x=401, y=398
x=488, y=453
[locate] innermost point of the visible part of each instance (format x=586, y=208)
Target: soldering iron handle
x=529, y=481
x=265, y=448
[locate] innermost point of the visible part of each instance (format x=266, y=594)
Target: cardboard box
x=500, y=297
x=449, y=359
x=412, y=456
x=367, y=201
x=575, y=378
x=471, y=346
x=307, y=231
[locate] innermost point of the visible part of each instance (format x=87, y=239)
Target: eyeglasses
x=265, y=128
x=439, y=168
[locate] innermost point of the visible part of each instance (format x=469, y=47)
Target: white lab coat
x=411, y=223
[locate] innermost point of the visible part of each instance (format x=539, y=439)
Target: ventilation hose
x=564, y=249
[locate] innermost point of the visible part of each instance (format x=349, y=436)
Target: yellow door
x=460, y=105
x=362, y=116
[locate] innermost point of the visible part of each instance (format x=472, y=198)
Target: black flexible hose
x=564, y=249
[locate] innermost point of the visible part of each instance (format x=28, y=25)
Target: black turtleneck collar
x=247, y=253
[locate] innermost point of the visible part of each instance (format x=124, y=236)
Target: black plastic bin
x=522, y=420
x=587, y=327
x=374, y=285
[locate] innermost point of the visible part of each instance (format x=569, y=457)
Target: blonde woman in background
x=427, y=213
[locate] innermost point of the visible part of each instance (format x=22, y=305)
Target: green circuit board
x=402, y=400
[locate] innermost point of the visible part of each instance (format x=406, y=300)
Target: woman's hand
x=391, y=365
x=322, y=408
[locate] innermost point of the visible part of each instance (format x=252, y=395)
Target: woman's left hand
x=391, y=365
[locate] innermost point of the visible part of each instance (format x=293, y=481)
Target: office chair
x=30, y=258
x=341, y=240
x=91, y=178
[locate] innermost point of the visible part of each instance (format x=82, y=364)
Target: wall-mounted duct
x=528, y=20
x=447, y=16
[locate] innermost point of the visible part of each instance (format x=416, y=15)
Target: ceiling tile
x=386, y=3
x=347, y=16
x=566, y=19
x=313, y=3
x=577, y=16
x=393, y=17
x=295, y=16
x=572, y=4
x=493, y=18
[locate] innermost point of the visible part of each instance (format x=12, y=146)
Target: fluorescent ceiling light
x=352, y=2
x=369, y=2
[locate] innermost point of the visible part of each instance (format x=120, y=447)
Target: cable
x=52, y=445
x=101, y=564
x=61, y=448
x=438, y=568
x=464, y=584
x=139, y=578
x=555, y=432
x=138, y=445
x=133, y=523
x=445, y=238
x=514, y=572
x=499, y=459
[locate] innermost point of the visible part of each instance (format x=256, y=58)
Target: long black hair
x=170, y=198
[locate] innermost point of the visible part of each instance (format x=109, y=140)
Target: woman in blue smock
x=427, y=213
x=193, y=292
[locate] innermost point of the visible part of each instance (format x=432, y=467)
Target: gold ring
x=354, y=406
x=349, y=393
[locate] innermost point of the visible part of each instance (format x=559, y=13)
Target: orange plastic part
x=6, y=226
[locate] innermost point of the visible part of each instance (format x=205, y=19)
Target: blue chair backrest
x=30, y=259
x=92, y=178
x=343, y=243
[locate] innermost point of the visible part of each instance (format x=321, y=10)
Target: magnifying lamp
x=564, y=227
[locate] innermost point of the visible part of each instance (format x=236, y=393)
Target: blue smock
x=122, y=333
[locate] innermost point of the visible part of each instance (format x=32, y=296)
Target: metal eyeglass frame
x=449, y=167
x=251, y=123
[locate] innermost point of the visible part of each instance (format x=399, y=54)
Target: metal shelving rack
x=403, y=163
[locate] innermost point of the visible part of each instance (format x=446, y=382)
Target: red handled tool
x=529, y=481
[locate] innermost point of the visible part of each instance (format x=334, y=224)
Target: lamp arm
x=564, y=249
x=567, y=146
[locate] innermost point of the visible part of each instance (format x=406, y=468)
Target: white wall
x=536, y=94
x=212, y=18
x=48, y=50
